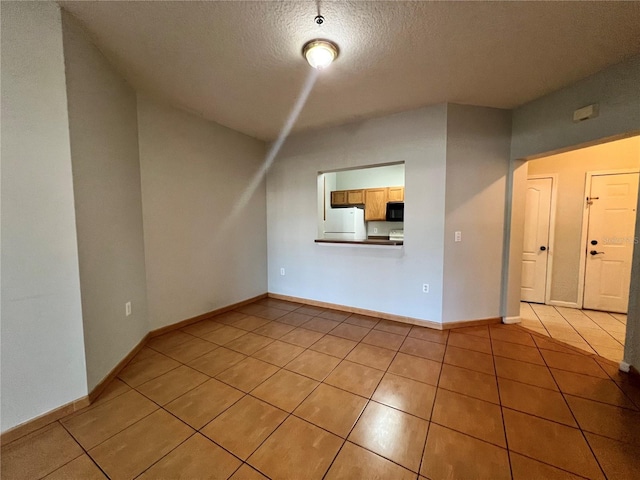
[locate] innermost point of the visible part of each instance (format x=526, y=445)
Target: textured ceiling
x=239, y=63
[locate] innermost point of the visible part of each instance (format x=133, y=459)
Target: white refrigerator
x=345, y=224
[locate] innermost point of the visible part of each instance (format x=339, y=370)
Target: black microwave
x=395, y=211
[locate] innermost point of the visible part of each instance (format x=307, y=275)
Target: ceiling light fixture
x=320, y=53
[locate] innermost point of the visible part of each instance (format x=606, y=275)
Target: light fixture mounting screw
x=319, y=19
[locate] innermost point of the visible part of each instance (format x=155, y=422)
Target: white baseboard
x=511, y=320
x=624, y=367
x=559, y=303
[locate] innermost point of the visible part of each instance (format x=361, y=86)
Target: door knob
x=543, y=248
x=593, y=252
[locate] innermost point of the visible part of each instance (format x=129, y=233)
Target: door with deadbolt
x=611, y=203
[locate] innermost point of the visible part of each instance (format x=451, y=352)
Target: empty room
x=320, y=240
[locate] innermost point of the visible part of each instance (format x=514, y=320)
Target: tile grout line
x=294, y=358
x=553, y=421
x=578, y=333
x=504, y=424
x=581, y=336
x=611, y=314
x=170, y=451
x=106, y=439
x=369, y=400
x=605, y=330
x=433, y=406
x=538, y=318
x=592, y=347
x=84, y=451
x=627, y=396
x=198, y=430
x=573, y=416
x=289, y=414
x=573, y=329
x=161, y=407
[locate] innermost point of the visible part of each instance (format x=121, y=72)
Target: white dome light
x=320, y=53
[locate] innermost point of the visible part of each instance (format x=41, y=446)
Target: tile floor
x=279, y=390
x=592, y=331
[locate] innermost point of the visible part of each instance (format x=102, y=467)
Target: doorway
x=576, y=268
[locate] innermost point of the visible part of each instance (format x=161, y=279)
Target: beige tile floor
x=590, y=330
x=279, y=390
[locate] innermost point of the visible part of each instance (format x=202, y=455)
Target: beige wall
x=478, y=141
x=374, y=278
x=205, y=241
x=70, y=129
x=440, y=146
x=571, y=168
x=106, y=181
x=42, y=350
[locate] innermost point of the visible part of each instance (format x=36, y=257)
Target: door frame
x=582, y=270
x=552, y=230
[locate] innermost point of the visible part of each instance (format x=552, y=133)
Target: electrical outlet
x=282, y=272
x=457, y=236
x=425, y=288
x=375, y=229
x=127, y=308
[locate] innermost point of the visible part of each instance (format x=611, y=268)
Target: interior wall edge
x=40, y=278
x=103, y=137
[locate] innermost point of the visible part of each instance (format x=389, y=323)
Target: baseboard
x=471, y=323
x=56, y=414
x=204, y=316
x=560, y=303
x=387, y=316
x=43, y=420
x=361, y=311
x=99, y=388
x=49, y=417
x=512, y=320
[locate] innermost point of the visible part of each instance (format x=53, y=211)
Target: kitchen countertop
x=368, y=241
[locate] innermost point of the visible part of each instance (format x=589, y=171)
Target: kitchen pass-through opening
x=363, y=205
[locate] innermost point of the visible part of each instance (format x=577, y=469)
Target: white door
x=612, y=201
x=535, y=250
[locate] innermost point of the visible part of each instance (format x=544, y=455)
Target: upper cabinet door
x=396, y=194
x=375, y=204
x=339, y=197
x=347, y=198
x=355, y=197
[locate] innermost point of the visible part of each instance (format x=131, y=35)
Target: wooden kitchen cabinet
x=374, y=200
x=396, y=194
x=355, y=197
x=375, y=203
x=347, y=198
x=339, y=198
